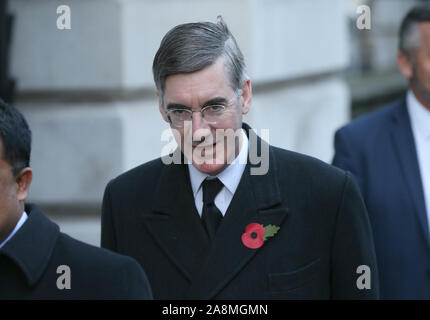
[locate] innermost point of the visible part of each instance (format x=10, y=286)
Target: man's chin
x=207, y=159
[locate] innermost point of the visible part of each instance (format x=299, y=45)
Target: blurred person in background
x=37, y=261
x=388, y=151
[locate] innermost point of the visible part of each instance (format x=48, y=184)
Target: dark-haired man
x=388, y=151
x=212, y=227
x=37, y=261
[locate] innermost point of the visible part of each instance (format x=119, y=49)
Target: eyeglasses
x=211, y=114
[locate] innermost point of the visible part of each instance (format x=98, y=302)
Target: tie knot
x=210, y=189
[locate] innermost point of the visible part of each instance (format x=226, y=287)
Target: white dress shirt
x=15, y=230
x=230, y=177
x=420, y=121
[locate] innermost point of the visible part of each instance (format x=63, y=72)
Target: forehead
x=198, y=86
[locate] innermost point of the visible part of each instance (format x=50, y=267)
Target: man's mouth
x=202, y=145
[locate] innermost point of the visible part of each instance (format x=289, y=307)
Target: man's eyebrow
x=176, y=106
x=212, y=101
x=215, y=100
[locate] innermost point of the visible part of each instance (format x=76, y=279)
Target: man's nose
x=200, y=128
x=198, y=122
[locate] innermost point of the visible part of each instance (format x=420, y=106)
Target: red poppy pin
x=255, y=234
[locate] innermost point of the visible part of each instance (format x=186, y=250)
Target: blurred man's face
x=420, y=66
x=13, y=192
x=200, y=140
x=8, y=196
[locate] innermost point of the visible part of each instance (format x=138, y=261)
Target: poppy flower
x=253, y=236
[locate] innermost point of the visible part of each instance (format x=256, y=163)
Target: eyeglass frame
x=237, y=93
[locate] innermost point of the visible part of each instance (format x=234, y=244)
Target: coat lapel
x=257, y=199
x=175, y=223
x=405, y=146
x=32, y=256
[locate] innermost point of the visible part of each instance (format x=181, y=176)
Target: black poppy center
x=254, y=235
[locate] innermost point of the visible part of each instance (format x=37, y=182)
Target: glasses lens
x=213, y=113
x=178, y=116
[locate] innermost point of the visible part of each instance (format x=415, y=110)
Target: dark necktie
x=211, y=215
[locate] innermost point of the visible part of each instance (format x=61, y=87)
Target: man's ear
x=246, y=96
x=161, y=108
x=405, y=65
x=23, y=180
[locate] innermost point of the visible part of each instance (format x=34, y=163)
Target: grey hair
x=190, y=47
x=409, y=37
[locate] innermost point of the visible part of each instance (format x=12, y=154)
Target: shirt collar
x=230, y=176
x=15, y=230
x=420, y=116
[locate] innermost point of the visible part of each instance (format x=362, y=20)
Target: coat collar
x=406, y=151
x=31, y=247
x=176, y=225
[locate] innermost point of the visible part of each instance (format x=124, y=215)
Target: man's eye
x=179, y=112
x=216, y=108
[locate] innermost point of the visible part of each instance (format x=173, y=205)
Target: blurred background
x=88, y=94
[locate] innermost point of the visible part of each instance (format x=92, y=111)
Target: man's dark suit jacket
x=379, y=149
x=149, y=213
x=29, y=262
